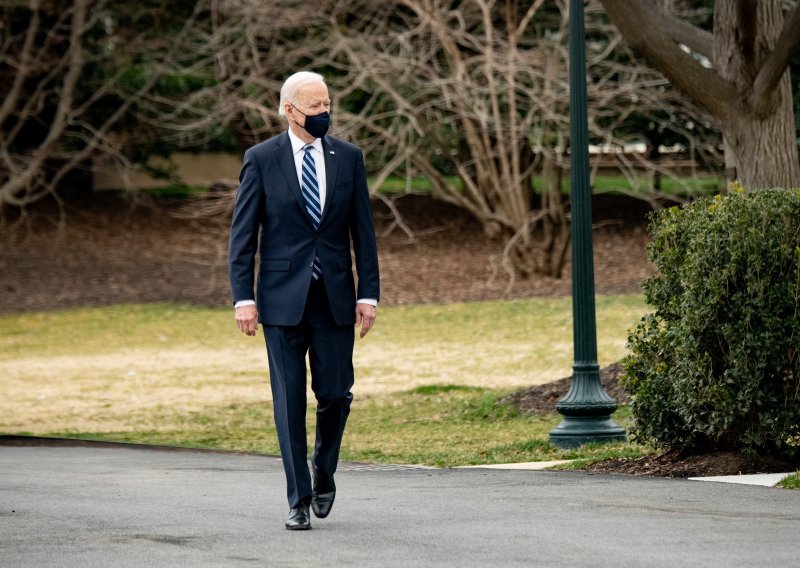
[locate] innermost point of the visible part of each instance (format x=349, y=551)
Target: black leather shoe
x=299, y=519
x=322, y=494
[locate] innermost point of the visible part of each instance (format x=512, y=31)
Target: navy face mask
x=317, y=124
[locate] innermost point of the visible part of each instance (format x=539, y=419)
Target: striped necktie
x=310, y=189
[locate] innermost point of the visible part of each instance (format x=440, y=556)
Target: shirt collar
x=298, y=144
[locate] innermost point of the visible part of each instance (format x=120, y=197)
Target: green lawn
x=791, y=482
x=700, y=185
x=440, y=426
x=686, y=186
x=428, y=379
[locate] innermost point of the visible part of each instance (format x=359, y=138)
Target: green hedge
x=716, y=365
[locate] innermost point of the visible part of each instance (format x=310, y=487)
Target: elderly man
x=302, y=200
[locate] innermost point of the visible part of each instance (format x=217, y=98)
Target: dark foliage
x=716, y=366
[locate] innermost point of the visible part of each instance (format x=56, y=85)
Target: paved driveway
x=118, y=507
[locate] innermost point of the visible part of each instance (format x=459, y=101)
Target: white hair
x=294, y=84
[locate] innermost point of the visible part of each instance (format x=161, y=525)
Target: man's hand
x=247, y=319
x=365, y=315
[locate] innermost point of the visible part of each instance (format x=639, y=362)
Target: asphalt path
x=113, y=506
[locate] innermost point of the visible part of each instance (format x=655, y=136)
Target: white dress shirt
x=298, y=149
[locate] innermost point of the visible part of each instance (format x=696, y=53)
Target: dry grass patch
x=116, y=369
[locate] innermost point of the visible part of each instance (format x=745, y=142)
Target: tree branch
x=24, y=63
x=69, y=83
x=775, y=64
x=641, y=31
x=696, y=39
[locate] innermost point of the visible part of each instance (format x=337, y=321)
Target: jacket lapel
x=283, y=154
x=331, y=169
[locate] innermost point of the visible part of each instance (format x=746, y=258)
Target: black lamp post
x=586, y=408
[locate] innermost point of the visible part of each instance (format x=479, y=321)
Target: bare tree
x=473, y=96
x=63, y=63
x=245, y=49
x=738, y=74
x=445, y=92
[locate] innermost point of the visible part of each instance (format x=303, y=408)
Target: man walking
x=302, y=200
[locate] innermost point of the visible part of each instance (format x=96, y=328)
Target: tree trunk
x=748, y=90
x=555, y=227
x=759, y=137
x=654, y=155
x=762, y=153
x=540, y=244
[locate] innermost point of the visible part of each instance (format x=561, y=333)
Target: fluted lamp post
x=586, y=408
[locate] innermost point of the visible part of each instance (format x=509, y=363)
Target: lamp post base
x=577, y=430
x=587, y=411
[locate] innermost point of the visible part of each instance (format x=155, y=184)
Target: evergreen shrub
x=715, y=367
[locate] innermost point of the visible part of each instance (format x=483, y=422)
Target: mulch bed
x=677, y=464
x=542, y=399
x=112, y=250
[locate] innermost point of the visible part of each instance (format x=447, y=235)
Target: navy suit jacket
x=270, y=218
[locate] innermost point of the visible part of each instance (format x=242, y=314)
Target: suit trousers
x=330, y=355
